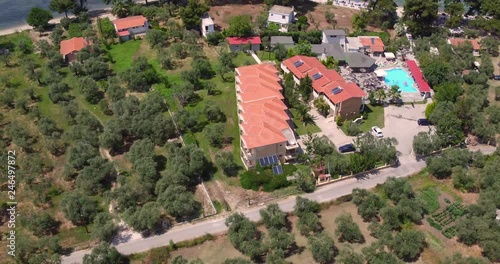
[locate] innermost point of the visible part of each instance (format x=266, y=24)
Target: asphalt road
x=214, y=226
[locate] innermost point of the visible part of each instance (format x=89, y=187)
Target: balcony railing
x=247, y=154
x=291, y=146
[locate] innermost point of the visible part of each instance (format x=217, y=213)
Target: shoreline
x=17, y=29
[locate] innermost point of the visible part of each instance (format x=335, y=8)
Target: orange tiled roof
x=263, y=111
x=329, y=79
x=129, y=22
x=71, y=45
x=308, y=64
x=375, y=43
x=457, y=41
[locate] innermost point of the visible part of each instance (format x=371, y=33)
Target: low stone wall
x=352, y=175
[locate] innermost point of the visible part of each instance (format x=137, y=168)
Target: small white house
x=334, y=36
x=207, y=25
x=281, y=15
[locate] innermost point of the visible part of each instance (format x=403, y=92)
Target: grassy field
x=374, y=117
x=243, y=59
x=267, y=56
x=122, y=54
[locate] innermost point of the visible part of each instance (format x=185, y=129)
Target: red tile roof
x=375, y=43
x=329, y=79
x=71, y=45
x=308, y=63
x=457, y=41
x=423, y=86
x=243, y=41
x=129, y=22
x=263, y=113
x=123, y=33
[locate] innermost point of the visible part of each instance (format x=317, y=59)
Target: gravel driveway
x=400, y=122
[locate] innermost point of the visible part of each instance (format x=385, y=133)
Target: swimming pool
x=400, y=77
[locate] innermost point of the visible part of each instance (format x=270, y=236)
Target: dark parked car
x=347, y=148
x=497, y=77
x=423, y=122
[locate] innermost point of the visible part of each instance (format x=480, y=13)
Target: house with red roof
x=372, y=44
x=129, y=27
x=266, y=134
x=70, y=47
x=237, y=44
x=345, y=98
x=460, y=41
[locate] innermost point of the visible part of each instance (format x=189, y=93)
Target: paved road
x=326, y=193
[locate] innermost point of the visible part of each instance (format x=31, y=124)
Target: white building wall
x=280, y=18
x=333, y=38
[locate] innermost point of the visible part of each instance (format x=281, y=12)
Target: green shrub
x=351, y=128
x=189, y=139
x=339, y=121
x=254, y=179
x=195, y=241
x=76, y=30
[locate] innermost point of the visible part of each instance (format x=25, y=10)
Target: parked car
x=377, y=132
x=347, y=148
x=424, y=122
x=497, y=77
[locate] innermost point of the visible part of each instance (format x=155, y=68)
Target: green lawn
x=302, y=129
x=267, y=56
x=375, y=117
x=243, y=59
x=122, y=54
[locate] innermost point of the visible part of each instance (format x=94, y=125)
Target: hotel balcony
x=291, y=146
x=247, y=154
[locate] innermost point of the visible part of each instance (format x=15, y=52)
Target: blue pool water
x=400, y=78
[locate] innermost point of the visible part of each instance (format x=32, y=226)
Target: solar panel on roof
x=336, y=90
x=298, y=63
x=277, y=169
x=317, y=76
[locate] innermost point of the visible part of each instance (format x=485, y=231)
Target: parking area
x=400, y=122
x=329, y=128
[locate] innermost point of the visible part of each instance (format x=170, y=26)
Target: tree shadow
x=194, y=100
x=215, y=92
x=199, y=126
x=161, y=162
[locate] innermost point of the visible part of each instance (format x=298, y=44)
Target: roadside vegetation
x=403, y=220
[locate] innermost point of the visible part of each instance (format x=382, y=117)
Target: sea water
x=13, y=13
